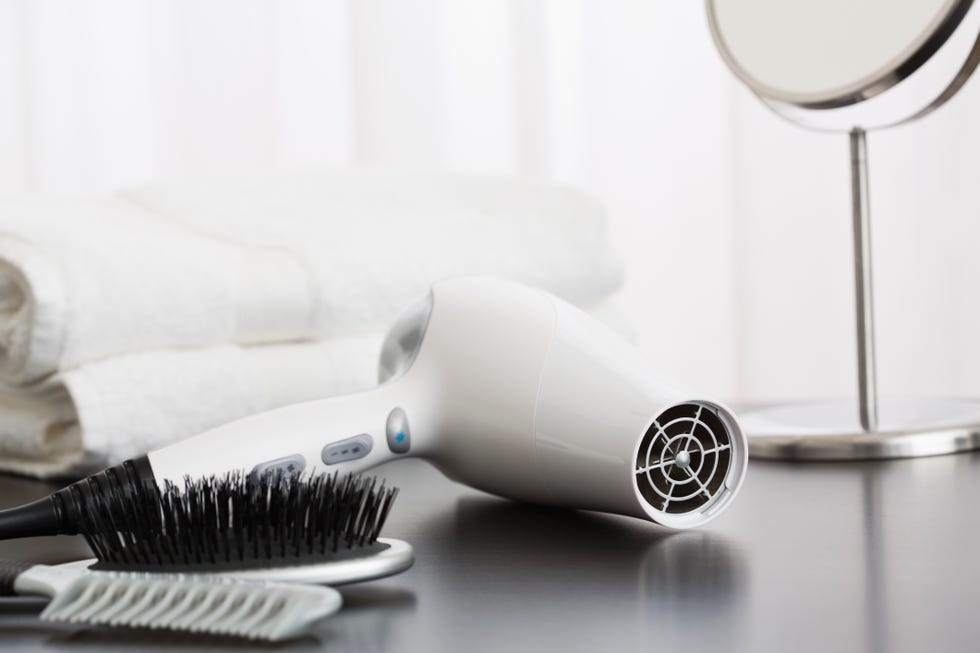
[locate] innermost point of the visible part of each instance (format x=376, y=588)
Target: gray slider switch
x=349, y=449
x=397, y=432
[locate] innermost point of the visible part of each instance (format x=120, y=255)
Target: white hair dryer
x=509, y=390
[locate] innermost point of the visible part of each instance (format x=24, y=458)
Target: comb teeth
x=257, y=611
x=236, y=521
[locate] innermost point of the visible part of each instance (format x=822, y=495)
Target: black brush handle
x=77, y=508
x=9, y=571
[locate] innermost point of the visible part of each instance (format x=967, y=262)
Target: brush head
x=238, y=521
x=259, y=611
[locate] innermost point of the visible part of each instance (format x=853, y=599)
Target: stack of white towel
x=137, y=319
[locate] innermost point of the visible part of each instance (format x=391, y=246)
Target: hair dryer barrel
x=540, y=402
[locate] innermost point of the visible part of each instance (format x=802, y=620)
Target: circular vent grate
x=683, y=458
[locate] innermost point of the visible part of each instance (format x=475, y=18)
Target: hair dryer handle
x=350, y=433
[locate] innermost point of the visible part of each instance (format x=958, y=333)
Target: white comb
x=198, y=604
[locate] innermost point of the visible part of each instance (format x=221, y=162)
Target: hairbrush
x=319, y=528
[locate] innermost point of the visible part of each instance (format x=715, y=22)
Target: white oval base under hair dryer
x=509, y=390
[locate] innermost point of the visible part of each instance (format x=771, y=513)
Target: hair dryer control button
x=288, y=465
x=397, y=431
x=349, y=449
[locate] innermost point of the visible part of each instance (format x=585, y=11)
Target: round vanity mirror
x=839, y=64
x=854, y=65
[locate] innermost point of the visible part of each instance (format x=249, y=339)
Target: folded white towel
x=271, y=259
x=106, y=411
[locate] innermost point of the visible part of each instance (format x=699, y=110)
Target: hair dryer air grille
x=684, y=458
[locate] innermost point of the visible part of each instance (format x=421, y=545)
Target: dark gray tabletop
x=823, y=557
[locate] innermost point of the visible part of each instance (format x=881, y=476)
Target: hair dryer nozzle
x=689, y=464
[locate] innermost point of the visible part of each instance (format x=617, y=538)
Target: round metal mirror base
x=908, y=428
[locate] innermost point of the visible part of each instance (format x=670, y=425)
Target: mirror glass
x=816, y=61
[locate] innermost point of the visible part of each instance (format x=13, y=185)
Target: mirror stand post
x=863, y=291
x=829, y=430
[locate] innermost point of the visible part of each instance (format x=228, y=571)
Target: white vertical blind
x=14, y=156
x=313, y=106
x=734, y=224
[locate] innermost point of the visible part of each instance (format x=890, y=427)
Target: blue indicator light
x=400, y=437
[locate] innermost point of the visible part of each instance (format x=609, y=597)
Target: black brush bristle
x=237, y=521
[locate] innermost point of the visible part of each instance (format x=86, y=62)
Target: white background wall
x=735, y=225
